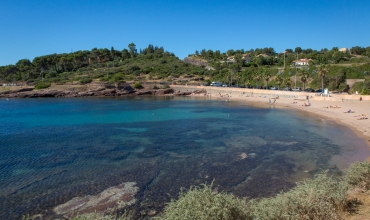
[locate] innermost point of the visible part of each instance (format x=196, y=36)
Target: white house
x=302, y=62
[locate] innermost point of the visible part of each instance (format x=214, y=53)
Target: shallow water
x=56, y=149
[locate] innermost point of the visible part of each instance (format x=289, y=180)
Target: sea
x=53, y=150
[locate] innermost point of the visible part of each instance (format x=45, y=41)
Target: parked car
x=216, y=84
x=319, y=90
x=309, y=90
x=287, y=89
x=273, y=88
x=225, y=85
x=297, y=89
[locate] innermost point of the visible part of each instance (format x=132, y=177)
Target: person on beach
x=349, y=111
x=362, y=117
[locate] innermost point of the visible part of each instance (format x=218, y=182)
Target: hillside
x=253, y=68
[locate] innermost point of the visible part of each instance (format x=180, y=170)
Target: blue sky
x=35, y=28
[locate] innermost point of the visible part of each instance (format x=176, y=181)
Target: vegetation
x=42, y=85
x=358, y=174
x=254, y=67
x=319, y=198
x=138, y=85
x=322, y=197
x=205, y=203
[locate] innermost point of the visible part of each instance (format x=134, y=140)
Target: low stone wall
x=270, y=93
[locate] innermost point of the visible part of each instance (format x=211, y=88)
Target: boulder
x=106, y=202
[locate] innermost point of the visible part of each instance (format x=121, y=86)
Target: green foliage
x=85, y=80
x=138, y=85
x=165, y=86
x=42, y=85
x=365, y=92
x=318, y=198
x=205, y=203
x=358, y=174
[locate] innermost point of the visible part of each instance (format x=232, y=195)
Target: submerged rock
x=243, y=142
x=113, y=198
x=284, y=143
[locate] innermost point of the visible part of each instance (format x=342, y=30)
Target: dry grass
x=360, y=201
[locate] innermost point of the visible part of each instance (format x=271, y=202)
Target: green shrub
x=205, y=203
x=155, y=87
x=365, y=92
x=85, y=80
x=358, y=174
x=42, y=85
x=165, y=86
x=318, y=198
x=138, y=85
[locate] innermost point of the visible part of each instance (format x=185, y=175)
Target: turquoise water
x=53, y=150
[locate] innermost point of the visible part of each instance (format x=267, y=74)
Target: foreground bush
x=138, y=85
x=319, y=198
x=205, y=203
x=42, y=85
x=85, y=80
x=358, y=174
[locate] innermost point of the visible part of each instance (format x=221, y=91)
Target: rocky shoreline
x=88, y=92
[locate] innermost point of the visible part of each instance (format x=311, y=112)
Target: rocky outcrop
x=178, y=93
x=98, y=91
x=103, y=203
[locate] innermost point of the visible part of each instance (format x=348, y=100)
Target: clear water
x=53, y=150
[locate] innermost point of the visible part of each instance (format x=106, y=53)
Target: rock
x=163, y=91
x=152, y=212
x=106, y=202
x=144, y=92
x=182, y=93
x=284, y=143
x=243, y=156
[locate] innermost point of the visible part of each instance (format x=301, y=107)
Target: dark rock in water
x=105, y=202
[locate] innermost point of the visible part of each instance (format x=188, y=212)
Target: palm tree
x=322, y=70
x=303, y=74
x=288, y=81
x=248, y=83
x=279, y=80
x=266, y=76
x=257, y=77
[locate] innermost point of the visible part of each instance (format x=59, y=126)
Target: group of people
x=332, y=106
x=361, y=117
